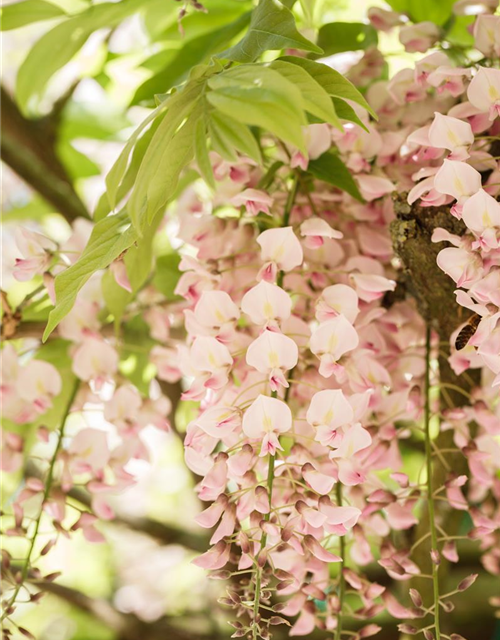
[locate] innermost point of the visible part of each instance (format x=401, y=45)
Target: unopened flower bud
x=467, y=582
x=435, y=557
x=416, y=598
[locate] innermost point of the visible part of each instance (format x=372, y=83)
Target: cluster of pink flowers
x=309, y=376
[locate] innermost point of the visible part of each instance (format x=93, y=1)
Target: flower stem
x=430, y=490
x=46, y=493
x=338, y=630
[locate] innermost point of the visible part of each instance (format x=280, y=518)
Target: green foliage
x=337, y=37
x=272, y=27
x=234, y=136
x=20, y=14
x=332, y=81
x=258, y=96
x=315, y=99
x=134, y=354
x=424, y=10
x=167, y=275
x=58, y=46
x=110, y=237
x=192, y=53
x=331, y=169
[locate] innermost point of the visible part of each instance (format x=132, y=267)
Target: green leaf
x=58, y=46
x=134, y=355
x=272, y=27
x=235, y=135
x=346, y=112
x=315, y=99
x=118, y=170
x=19, y=14
x=192, y=53
x=138, y=263
x=110, y=237
x=423, y=10
x=260, y=97
x=164, y=159
x=332, y=81
x=337, y=37
x=267, y=179
x=167, y=275
x=76, y=163
x=331, y=169
x=201, y=153
x=177, y=154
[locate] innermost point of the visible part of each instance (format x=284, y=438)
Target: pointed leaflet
x=261, y=97
x=331, y=169
x=201, y=153
x=118, y=170
x=346, y=112
x=21, y=13
x=332, y=81
x=272, y=27
x=337, y=37
x=315, y=99
x=238, y=136
x=160, y=154
x=110, y=237
x=191, y=54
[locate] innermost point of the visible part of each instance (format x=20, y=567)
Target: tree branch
x=28, y=148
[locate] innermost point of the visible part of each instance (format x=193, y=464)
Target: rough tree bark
x=433, y=292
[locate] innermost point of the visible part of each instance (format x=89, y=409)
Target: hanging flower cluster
x=312, y=374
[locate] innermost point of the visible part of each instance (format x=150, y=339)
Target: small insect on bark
x=467, y=331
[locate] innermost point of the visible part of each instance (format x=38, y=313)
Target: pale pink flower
x=330, y=341
x=89, y=451
x=487, y=35
x=318, y=139
x=484, y=91
x=265, y=420
x=427, y=65
x=329, y=410
x=38, y=383
x=219, y=422
x=159, y=323
x=280, y=250
x=457, y=179
x=273, y=353
x=481, y=214
x=355, y=438
x=418, y=37
x=124, y=406
x=36, y=250
x=95, y=360
x=119, y=270
x=384, y=20
x=266, y=303
x=210, y=362
x=474, y=7
x=214, y=315
x=316, y=230
x=81, y=322
x=450, y=133
x=461, y=265
x=403, y=88
x=337, y=299
x=373, y=187
x=371, y=287
x=450, y=80
x=215, y=558
x=319, y=482
x=255, y=201
x=166, y=361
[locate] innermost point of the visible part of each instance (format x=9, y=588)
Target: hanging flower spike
x=266, y=419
